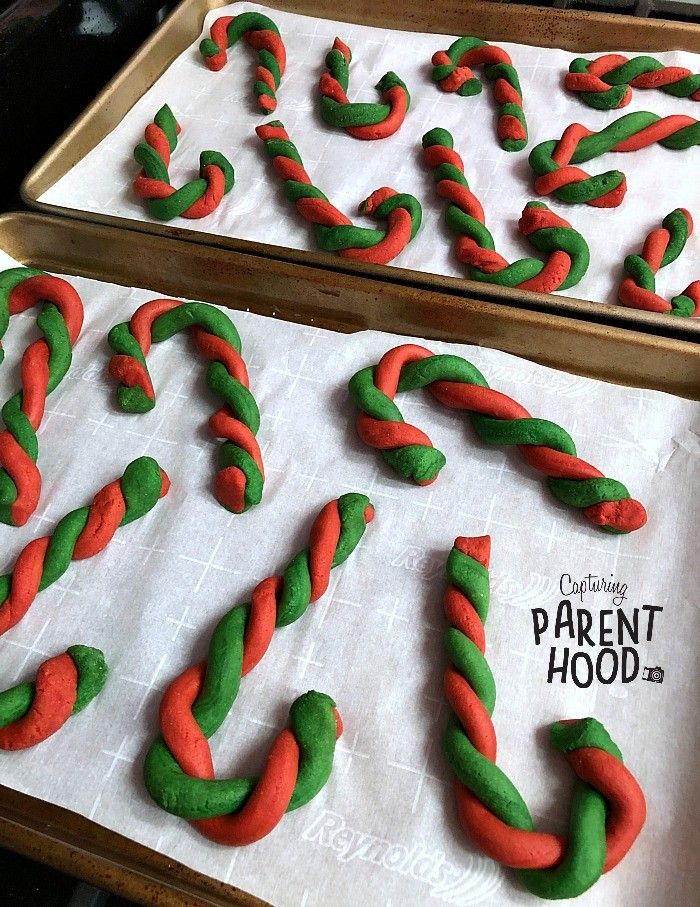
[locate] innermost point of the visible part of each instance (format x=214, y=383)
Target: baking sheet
x=218, y=111
x=383, y=831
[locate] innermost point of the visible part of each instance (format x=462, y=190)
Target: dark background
x=55, y=56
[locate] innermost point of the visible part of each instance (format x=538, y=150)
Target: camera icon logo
x=654, y=675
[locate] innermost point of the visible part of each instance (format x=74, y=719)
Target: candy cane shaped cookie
x=240, y=476
x=80, y=534
x=661, y=247
x=362, y=121
x=45, y=363
x=333, y=230
x=567, y=251
x=553, y=161
x=179, y=771
x=452, y=72
x=608, y=808
x=193, y=200
x=497, y=420
x=606, y=83
x=64, y=685
x=263, y=36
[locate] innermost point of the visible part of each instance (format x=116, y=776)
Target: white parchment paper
x=383, y=831
x=218, y=111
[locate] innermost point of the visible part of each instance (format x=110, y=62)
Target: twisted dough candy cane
x=45, y=363
x=193, y=200
x=552, y=161
x=607, y=82
x=661, y=247
x=567, y=251
x=452, y=72
x=80, y=534
x=240, y=475
x=333, y=230
x=262, y=35
x=496, y=418
x=179, y=771
x=362, y=121
x=608, y=808
x=64, y=685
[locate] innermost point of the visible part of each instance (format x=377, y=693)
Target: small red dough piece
x=626, y=515
x=55, y=692
x=323, y=540
x=464, y=618
x=26, y=476
x=261, y=621
x=106, y=513
x=471, y=713
x=219, y=36
x=218, y=350
x=182, y=734
x=26, y=578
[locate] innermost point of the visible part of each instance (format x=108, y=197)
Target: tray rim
x=31, y=187
x=38, y=828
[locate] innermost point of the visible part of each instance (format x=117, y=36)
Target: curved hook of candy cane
x=195, y=199
x=452, y=72
x=179, y=771
x=606, y=83
x=360, y=120
x=608, y=808
x=662, y=246
x=496, y=418
x=260, y=33
x=567, y=251
x=240, y=476
x=80, y=534
x=31, y=712
x=45, y=363
x=334, y=231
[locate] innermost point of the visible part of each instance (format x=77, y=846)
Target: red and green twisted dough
x=362, y=121
x=240, y=475
x=45, y=363
x=452, y=72
x=553, y=161
x=497, y=420
x=608, y=808
x=80, y=534
x=179, y=771
x=606, y=83
x=64, y=685
x=195, y=199
x=263, y=36
x=333, y=230
x=661, y=247
x=567, y=251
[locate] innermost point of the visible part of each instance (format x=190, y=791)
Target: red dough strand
x=56, y=689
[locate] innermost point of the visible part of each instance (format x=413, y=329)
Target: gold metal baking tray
x=299, y=293
x=578, y=32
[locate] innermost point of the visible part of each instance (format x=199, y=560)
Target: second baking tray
x=578, y=32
